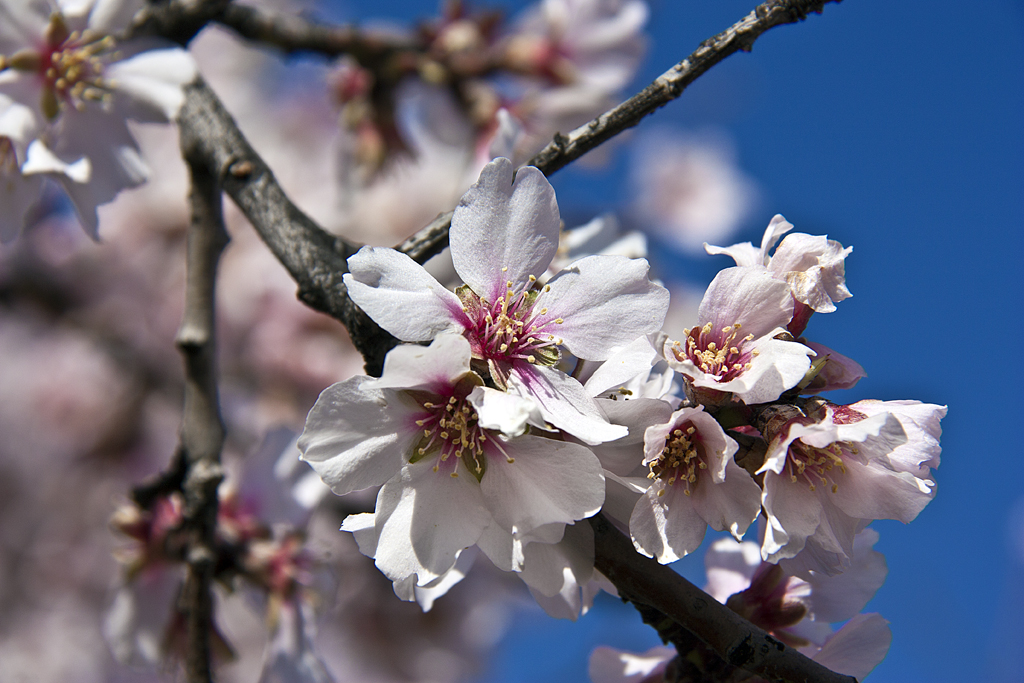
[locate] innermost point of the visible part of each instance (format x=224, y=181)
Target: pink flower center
x=509, y=330
x=680, y=460
x=451, y=432
x=71, y=66
x=818, y=465
x=721, y=353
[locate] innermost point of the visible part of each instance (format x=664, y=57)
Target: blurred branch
x=202, y=430
x=565, y=149
x=644, y=582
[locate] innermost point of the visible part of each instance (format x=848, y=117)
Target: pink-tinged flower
x=827, y=476
x=694, y=483
x=733, y=348
x=503, y=236
x=813, y=266
x=596, y=44
x=798, y=610
x=449, y=479
x=61, y=65
x=576, y=55
x=688, y=188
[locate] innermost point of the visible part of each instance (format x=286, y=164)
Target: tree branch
x=643, y=581
x=315, y=259
x=565, y=149
x=202, y=430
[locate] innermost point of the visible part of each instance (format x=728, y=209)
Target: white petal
x=729, y=566
x=435, y=367
x=504, y=231
x=507, y=413
x=608, y=665
x=423, y=519
x=630, y=361
x=354, y=438
x=605, y=303
x=564, y=403
x=109, y=16
x=750, y=296
x=744, y=254
x=857, y=647
x=153, y=80
x=547, y=482
x=401, y=296
x=666, y=527
x=777, y=227
x=549, y=568
x=731, y=505
x=40, y=160
x=793, y=514
x=840, y=597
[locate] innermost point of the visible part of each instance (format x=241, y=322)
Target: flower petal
x=564, y=403
x=401, y=296
x=858, y=647
x=423, y=519
x=352, y=437
x=605, y=302
x=435, y=367
x=666, y=527
x=504, y=231
x=547, y=481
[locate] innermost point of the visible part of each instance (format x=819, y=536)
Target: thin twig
x=565, y=149
x=643, y=581
x=202, y=430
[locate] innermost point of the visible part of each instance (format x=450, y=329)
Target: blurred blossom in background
x=918, y=165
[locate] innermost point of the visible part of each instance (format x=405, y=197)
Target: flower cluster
x=67, y=88
x=540, y=400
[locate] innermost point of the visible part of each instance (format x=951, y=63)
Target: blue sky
x=897, y=128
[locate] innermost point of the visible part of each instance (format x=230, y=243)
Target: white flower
x=812, y=265
x=448, y=482
x=503, y=236
x=733, y=346
x=825, y=480
x=61, y=66
x=694, y=483
x=577, y=55
x=798, y=609
x=688, y=188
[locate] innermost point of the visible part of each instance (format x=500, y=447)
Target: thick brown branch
x=315, y=259
x=202, y=430
x=565, y=149
x=643, y=581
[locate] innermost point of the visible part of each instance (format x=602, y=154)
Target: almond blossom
x=694, y=483
x=798, y=609
x=734, y=348
x=450, y=480
x=813, y=266
x=827, y=476
x=503, y=236
x=62, y=67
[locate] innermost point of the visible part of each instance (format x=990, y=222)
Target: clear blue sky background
x=897, y=127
